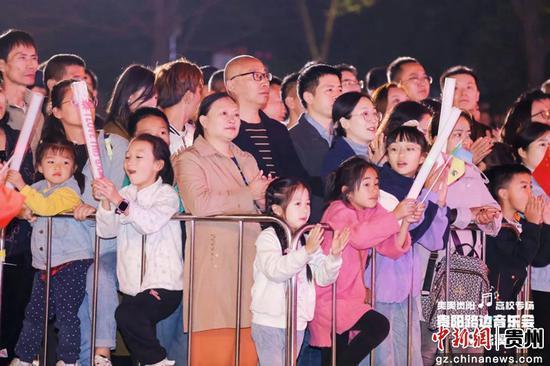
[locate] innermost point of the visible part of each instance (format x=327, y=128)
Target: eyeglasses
x=257, y=76
x=545, y=114
x=349, y=83
x=93, y=101
x=369, y=116
x=418, y=79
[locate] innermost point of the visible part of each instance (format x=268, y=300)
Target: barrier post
x=372, y=293
x=48, y=278
x=94, y=296
x=239, y=293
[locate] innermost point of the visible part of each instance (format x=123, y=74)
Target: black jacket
x=508, y=256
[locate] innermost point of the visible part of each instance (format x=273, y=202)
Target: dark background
x=506, y=41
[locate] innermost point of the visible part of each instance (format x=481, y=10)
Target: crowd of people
x=317, y=146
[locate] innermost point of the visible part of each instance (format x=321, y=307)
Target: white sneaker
x=164, y=362
x=100, y=360
x=18, y=362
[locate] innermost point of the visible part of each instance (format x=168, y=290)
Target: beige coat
x=211, y=184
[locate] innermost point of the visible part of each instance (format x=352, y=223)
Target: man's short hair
x=393, y=72
x=500, y=176
x=289, y=81
x=309, y=79
x=93, y=77
x=275, y=80
x=13, y=38
x=56, y=65
x=457, y=70
x=216, y=81
x=174, y=79
x=347, y=67
x=375, y=78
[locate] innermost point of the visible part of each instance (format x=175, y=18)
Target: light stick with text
x=81, y=97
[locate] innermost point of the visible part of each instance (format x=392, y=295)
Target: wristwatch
x=122, y=206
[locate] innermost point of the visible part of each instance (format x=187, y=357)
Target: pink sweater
x=374, y=227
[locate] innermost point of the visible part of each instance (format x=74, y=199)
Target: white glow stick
x=438, y=146
x=26, y=133
x=447, y=97
x=81, y=97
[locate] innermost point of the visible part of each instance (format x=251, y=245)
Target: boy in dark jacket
x=524, y=241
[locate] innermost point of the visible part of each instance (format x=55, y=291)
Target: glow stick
x=81, y=97
x=447, y=97
x=26, y=133
x=438, y=146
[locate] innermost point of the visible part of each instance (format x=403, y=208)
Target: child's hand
x=404, y=208
x=15, y=178
x=339, y=241
x=534, y=210
x=546, y=213
x=26, y=214
x=105, y=189
x=480, y=149
x=314, y=239
x=417, y=213
x=82, y=211
x=484, y=215
x=377, y=149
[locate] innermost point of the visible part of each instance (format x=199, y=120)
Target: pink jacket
x=374, y=227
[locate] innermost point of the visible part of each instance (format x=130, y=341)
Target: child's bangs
x=407, y=134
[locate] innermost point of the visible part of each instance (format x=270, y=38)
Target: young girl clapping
x=289, y=200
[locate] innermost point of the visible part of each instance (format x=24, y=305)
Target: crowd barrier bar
x=240, y=219
x=292, y=295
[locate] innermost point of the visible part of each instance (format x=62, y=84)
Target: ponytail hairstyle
x=57, y=146
x=161, y=151
x=279, y=192
x=349, y=174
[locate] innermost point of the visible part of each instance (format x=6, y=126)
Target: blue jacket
x=70, y=238
x=339, y=152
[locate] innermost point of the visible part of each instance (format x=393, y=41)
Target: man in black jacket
x=318, y=87
x=247, y=80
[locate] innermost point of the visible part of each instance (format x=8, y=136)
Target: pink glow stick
x=81, y=97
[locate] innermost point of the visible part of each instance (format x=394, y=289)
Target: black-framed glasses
x=257, y=76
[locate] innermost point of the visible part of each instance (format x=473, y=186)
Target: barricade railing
x=239, y=219
x=291, y=352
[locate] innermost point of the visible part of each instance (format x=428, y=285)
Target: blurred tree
x=336, y=9
x=534, y=17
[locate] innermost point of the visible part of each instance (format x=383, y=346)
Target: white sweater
x=271, y=271
x=149, y=213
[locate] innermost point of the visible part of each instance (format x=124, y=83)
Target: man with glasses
x=350, y=83
x=247, y=80
x=410, y=74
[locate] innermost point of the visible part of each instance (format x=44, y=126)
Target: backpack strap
x=430, y=268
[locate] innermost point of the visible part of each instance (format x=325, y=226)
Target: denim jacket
x=68, y=243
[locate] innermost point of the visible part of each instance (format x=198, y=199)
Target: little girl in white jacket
x=152, y=290
x=288, y=199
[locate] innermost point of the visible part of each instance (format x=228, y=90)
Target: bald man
x=247, y=80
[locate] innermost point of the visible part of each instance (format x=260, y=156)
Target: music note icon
x=484, y=300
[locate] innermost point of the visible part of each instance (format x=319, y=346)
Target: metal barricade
x=291, y=301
